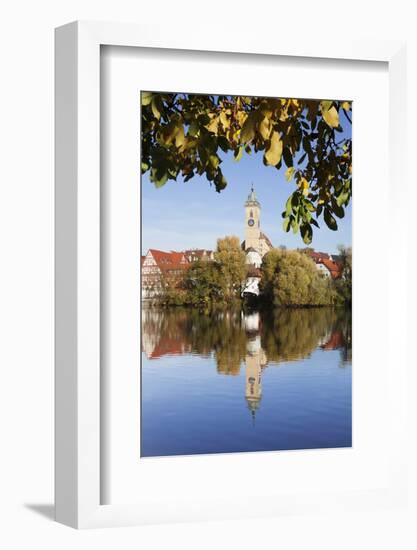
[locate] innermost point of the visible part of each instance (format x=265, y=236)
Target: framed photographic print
x=219, y=334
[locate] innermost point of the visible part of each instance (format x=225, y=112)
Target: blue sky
x=180, y=215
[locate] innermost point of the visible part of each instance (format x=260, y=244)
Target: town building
x=161, y=269
x=199, y=254
x=255, y=245
x=329, y=265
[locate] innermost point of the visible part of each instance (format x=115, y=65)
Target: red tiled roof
x=169, y=260
x=335, y=268
x=318, y=256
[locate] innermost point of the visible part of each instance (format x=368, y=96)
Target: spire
x=252, y=200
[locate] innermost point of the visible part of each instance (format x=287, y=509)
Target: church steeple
x=252, y=200
x=252, y=219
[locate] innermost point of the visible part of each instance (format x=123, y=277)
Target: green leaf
x=294, y=226
x=223, y=143
x=342, y=199
x=274, y=152
x=238, y=154
x=286, y=224
x=287, y=157
x=295, y=200
x=248, y=129
x=158, y=177
x=214, y=161
x=309, y=205
x=220, y=182
x=338, y=210
x=144, y=167
x=330, y=220
x=302, y=159
x=193, y=129
x=306, y=233
x=288, y=205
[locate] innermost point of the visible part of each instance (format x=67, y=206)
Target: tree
x=203, y=284
x=185, y=134
x=290, y=278
x=232, y=263
x=344, y=283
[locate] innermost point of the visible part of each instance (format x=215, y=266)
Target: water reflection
x=283, y=335
x=254, y=340
x=234, y=382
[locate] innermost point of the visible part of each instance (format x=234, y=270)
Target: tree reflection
x=233, y=337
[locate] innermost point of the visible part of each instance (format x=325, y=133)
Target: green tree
x=203, y=284
x=184, y=135
x=232, y=263
x=343, y=285
x=290, y=278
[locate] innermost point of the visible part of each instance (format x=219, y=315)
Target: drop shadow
x=45, y=510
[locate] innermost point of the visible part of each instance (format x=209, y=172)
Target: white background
x=219, y=477
x=26, y=301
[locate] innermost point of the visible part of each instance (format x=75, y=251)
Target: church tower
x=252, y=219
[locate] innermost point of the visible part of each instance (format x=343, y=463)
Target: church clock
x=251, y=222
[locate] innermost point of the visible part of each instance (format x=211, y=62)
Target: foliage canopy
x=185, y=134
x=290, y=278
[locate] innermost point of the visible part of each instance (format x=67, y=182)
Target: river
x=235, y=382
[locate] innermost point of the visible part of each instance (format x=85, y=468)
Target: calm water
x=233, y=382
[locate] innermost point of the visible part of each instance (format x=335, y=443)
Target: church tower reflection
x=255, y=361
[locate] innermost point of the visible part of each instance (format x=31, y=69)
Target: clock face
x=251, y=222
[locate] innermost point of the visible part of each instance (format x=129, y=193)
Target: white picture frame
x=78, y=265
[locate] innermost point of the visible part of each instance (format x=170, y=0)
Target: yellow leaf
x=274, y=153
x=289, y=173
x=180, y=137
x=241, y=117
x=304, y=185
x=331, y=117
x=224, y=120
x=146, y=98
x=264, y=128
x=248, y=129
x=155, y=108
x=213, y=125
x=169, y=132
x=346, y=105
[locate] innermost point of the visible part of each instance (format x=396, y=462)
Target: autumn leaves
x=185, y=135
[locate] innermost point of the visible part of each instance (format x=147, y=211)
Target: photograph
x=246, y=273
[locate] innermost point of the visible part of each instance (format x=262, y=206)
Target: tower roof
x=252, y=200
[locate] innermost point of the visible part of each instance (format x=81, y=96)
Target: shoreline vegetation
x=287, y=279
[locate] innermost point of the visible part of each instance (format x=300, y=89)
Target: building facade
x=255, y=245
